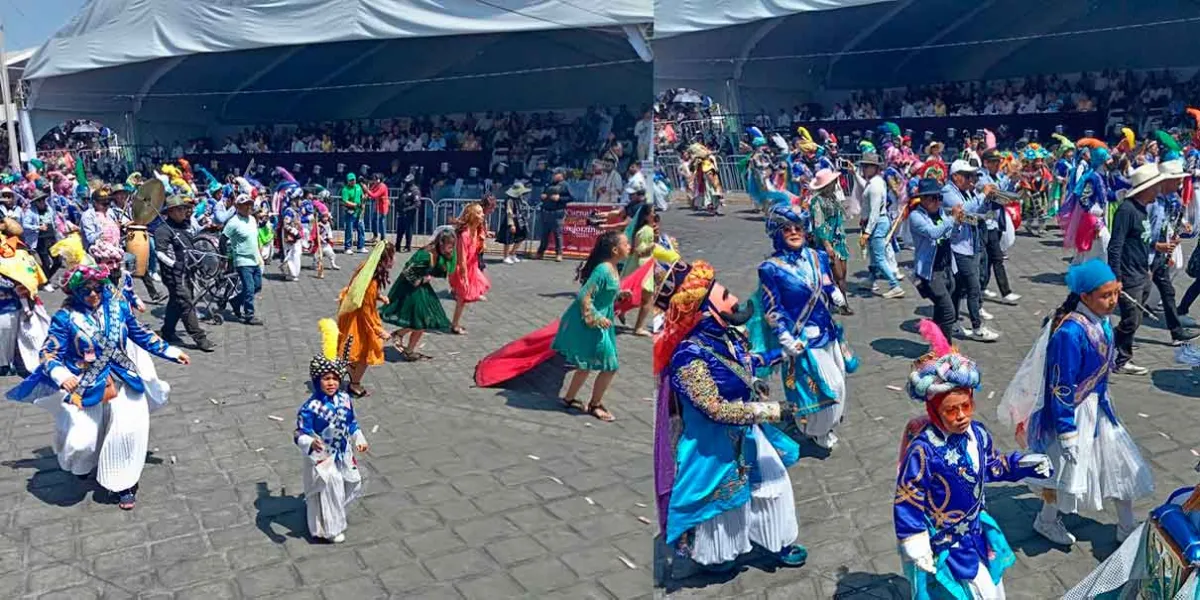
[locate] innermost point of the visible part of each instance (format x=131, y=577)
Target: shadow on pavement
x=286, y=511
x=673, y=573
x=857, y=585
x=898, y=348
x=1178, y=381
x=1049, y=278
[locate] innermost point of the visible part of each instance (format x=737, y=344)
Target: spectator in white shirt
x=783, y=121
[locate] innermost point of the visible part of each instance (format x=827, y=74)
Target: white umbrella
x=85, y=128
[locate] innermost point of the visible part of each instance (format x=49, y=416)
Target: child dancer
x=950, y=546
x=585, y=331
x=324, y=248
x=412, y=305
x=325, y=429
x=358, y=315
x=468, y=281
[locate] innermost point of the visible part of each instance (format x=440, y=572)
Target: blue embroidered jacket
x=789, y=281
x=330, y=419
x=80, y=338
x=940, y=492
x=1078, y=359
x=711, y=378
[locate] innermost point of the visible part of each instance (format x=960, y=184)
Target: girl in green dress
x=412, y=305
x=585, y=332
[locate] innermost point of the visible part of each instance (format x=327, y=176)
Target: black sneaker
x=206, y=345
x=172, y=339
x=1184, y=337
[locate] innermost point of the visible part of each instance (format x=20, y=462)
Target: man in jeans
x=1166, y=222
x=991, y=180
x=242, y=233
x=173, y=242
x=875, y=232
x=554, y=209
x=352, y=201
x=933, y=263
x=967, y=245
x=1129, y=253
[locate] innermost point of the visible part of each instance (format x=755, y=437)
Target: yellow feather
x=804, y=134
x=329, y=338
x=1129, y=137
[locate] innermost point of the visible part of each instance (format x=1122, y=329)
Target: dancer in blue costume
x=797, y=296
x=950, y=546
x=759, y=174
x=100, y=400
x=1084, y=213
x=1059, y=403
x=720, y=467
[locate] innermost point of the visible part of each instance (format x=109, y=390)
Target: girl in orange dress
x=358, y=314
x=468, y=281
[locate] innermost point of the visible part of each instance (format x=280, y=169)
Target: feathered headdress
x=891, y=129
x=1128, y=140
x=1167, y=141
x=805, y=136
x=941, y=369
x=1063, y=142
x=1195, y=112
x=328, y=360
x=283, y=173
x=989, y=139
x=1088, y=142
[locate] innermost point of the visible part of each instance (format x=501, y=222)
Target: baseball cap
x=990, y=154
x=962, y=166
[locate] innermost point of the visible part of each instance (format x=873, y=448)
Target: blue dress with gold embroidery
x=939, y=492
x=90, y=344
x=714, y=401
x=1078, y=359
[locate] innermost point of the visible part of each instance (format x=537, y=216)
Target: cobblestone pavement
x=471, y=493
x=844, y=501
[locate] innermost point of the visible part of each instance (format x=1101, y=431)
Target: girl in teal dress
x=585, y=332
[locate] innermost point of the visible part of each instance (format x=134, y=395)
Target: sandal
x=598, y=411
x=572, y=404
x=459, y=331
x=642, y=332
x=414, y=356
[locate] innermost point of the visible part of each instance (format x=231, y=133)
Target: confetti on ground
x=628, y=563
x=1037, y=313
x=555, y=479
x=1165, y=436
x=374, y=429
x=1144, y=415
x=283, y=378
x=644, y=520
x=274, y=418
x=214, y=401
x=991, y=394
x=878, y=419
x=894, y=388
x=156, y=450
x=1195, y=452
x=172, y=459
x=196, y=421
x=532, y=457
x=589, y=501
x=453, y=353
x=642, y=505
x=259, y=449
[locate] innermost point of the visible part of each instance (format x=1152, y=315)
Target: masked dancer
x=950, y=546
x=88, y=381
x=720, y=467
x=797, y=300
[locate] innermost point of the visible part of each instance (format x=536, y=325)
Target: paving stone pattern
x=844, y=501
x=471, y=493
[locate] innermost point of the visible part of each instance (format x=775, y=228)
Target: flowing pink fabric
x=468, y=281
x=520, y=356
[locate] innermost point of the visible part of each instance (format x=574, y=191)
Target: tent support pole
x=10, y=128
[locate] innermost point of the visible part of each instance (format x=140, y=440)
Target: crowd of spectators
x=1135, y=92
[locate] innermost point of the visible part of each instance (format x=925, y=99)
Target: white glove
x=925, y=563
x=1040, y=462
x=1069, y=448
x=791, y=346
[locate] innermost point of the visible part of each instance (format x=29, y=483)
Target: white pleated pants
x=110, y=438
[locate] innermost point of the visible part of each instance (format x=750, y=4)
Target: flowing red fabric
x=520, y=356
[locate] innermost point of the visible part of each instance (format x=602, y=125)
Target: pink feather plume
x=933, y=334
x=989, y=139
x=282, y=172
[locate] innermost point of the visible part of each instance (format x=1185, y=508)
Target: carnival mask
x=727, y=307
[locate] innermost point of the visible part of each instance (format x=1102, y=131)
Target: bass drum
x=138, y=244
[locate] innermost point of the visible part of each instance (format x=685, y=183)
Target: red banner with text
x=579, y=236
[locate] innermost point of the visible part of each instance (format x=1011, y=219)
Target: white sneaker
x=985, y=315
x=1131, y=369
x=335, y=267
x=1123, y=534
x=339, y=538
x=1054, y=531
x=1012, y=298
x=828, y=441
x=983, y=334
x=48, y=288
x=900, y=276
x=508, y=260
x=516, y=258
x=961, y=331
x=896, y=292
x=1187, y=321
x=990, y=294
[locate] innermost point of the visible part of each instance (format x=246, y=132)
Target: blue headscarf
x=780, y=216
x=1085, y=277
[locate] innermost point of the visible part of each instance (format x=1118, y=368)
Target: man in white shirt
x=783, y=121
x=643, y=131
x=875, y=234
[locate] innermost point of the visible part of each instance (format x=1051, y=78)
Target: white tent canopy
x=776, y=53
x=194, y=65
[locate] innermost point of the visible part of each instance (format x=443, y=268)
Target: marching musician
x=966, y=244
x=991, y=181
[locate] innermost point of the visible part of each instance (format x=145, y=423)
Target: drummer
x=151, y=277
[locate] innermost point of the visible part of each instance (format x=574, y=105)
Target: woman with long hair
x=642, y=242
x=412, y=305
x=358, y=315
x=585, y=332
x=468, y=281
